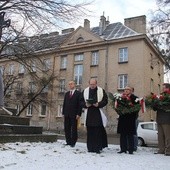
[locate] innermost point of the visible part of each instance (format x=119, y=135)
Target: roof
x=49, y=41
x=114, y=31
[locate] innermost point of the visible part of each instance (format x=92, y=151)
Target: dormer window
x=80, y=40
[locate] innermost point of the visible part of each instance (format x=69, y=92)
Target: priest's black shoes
x=121, y=152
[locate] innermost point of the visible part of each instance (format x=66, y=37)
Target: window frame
x=42, y=110
x=33, y=67
x=21, y=69
x=32, y=87
x=29, y=110
x=19, y=87
x=63, y=62
x=11, y=69
x=123, y=55
x=78, y=57
x=46, y=64
x=94, y=58
x=62, y=85
x=124, y=84
x=79, y=75
x=59, y=111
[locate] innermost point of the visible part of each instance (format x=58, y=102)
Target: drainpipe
x=106, y=70
x=106, y=67
x=51, y=99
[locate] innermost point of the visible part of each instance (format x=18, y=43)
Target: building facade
x=115, y=54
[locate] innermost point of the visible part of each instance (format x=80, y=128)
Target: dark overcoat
x=127, y=122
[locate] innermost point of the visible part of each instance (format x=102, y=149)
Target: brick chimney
x=68, y=30
x=107, y=22
x=86, y=24
x=102, y=24
x=137, y=24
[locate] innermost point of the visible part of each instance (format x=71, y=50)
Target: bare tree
x=35, y=89
x=40, y=15
x=36, y=17
x=160, y=29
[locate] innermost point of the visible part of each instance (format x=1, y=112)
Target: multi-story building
x=115, y=54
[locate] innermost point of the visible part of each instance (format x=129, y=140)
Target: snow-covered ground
x=57, y=156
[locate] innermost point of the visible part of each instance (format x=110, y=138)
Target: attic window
x=80, y=40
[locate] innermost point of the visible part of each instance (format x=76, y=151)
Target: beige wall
x=138, y=70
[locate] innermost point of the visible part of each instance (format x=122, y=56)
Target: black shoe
x=130, y=152
x=121, y=152
x=158, y=153
x=167, y=154
x=66, y=144
x=72, y=146
x=98, y=152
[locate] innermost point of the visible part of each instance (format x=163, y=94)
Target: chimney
x=102, y=24
x=87, y=24
x=107, y=22
x=54, y=33
x=68, y=30
x=137, y=24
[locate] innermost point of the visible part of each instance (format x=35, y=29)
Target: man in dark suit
x=71, y=112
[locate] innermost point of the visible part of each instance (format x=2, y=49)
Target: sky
x=56, y=156
x=117, y=10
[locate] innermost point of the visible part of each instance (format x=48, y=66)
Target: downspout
x=106, y=70
x=51, y=98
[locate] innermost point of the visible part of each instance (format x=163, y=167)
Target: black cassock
x=96, y=133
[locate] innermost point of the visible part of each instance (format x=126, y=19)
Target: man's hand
x=87, y=104
x=77, y=117
x=96, y=105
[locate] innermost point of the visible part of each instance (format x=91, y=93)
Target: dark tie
x=71, y=94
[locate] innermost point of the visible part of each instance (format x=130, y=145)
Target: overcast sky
x=117, y=10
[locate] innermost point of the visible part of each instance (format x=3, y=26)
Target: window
x=159, y=69
x=151, y=85
x=45, y=90
x=152, y=61
x=33, y=67
x=78, y=57
x=43, y=109
x=29, y=110
x=95, y=58
x=78, y=73
x=19, y=88
x=122, y=81
x=11, y=69
x=9, y=90
x=2, y=69
x=63, y=64
x=18, y=109
x=148, y=126
x=32, y=87
x=80, y=40
x=60, y=109
x=21, y=69
x=62, y=86
x=159, y=89
x=47, y=64
x=123, y=55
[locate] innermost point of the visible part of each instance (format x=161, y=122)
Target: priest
x=94, y=98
